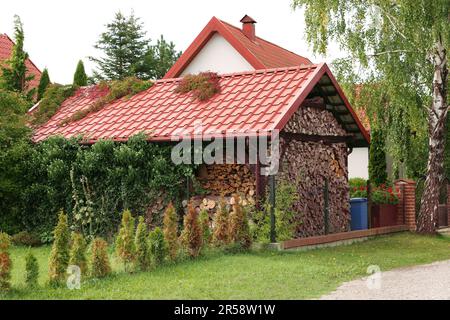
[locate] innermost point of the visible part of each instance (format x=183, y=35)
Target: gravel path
x=426, y=282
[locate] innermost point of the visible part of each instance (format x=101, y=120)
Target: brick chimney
x=248, y=27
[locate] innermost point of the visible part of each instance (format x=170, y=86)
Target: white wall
x=218, y=56
x=358, y=163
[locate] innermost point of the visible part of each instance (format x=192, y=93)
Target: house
x=6, y=47
x=224, y=48
x=302, y=102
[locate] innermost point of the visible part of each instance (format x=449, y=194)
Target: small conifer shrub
x=205, y=226
x=171, y=231
x=31, y=270
x=142, y=246
x=100, y=266
x=5, y=262
x=158, y=246
x=59, y=256
x=191, y=236
x=125, y=246
x=221, y=229
x=239, y=227
x=78, y=252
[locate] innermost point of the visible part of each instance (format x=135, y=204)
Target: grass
x=253, y=275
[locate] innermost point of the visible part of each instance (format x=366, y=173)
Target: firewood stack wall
x=308, y=163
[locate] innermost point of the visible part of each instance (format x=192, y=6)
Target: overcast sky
x=59, y=33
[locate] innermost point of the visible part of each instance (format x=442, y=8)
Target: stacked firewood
x=227, y=179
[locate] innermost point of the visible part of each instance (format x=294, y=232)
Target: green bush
x=78, y=252
x=59, y=256
x=191, y=237
x=205, y=227
x=100, y=265
x=171, y=231
x=31, y=270
x=5, y=262
x=239, y=226
x=158, y=246
x=25, y=238
x=358, y=187
x=125, y=247
x=221, y=225
x=143, y=258
x=377, y=158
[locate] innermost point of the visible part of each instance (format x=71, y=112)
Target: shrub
x=171, y=231
x=358, y=187
x=59, y=256
x=25, y=238
x=100, y=266
x=142, y=246
x=5, y=262
x=205, y=227
x=78, y=252
x=158, y=246
x=239, y=228
x=31, y=270
x=191, y=237
x=125, y=248
x=220, y=232
x=203, y=85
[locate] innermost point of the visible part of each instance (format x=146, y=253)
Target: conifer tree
x=31, y=270
x=78, y=252
x=221, y=232
x=142, y=246
x=125, y=247
x=171, y=231
x=158, y=246
x=191, y=236
x=5, y=262
x=80, y=78
x=14, y=73
x=59, y=256
x=377, y=158
x=100, y=265
x=43, y=84
x=205, y=227
x=239, y=227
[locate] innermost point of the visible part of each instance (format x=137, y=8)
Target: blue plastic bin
x=358, y=208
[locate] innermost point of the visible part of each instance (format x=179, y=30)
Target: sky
x=59, y=33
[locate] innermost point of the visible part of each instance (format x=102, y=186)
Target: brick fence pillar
x=406, y=209
x=448, y=204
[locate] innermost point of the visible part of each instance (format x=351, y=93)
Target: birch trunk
x=428, y=214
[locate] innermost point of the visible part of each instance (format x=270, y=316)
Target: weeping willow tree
x=399, y=47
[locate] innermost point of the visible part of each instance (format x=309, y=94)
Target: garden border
x=329, y=238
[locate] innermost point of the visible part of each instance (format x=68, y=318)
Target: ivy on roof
x=203, y=85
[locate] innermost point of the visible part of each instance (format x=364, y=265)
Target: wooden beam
x=316, y=137
x=316, y=102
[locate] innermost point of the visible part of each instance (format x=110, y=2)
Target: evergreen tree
x=158, y=246
x=125, y=247
x=80, y=78
x=100, y=265
x=221, y=225
x=123, y=45
x=171, y=231
x=239, y=227
x=31, y=270
x=78, y=252
x=377, y=158
x=43, y=84
x=158, y=60
x=5, y=262
x=59, y=256
x=142, y=246
x=191, y=236
x=14, y=72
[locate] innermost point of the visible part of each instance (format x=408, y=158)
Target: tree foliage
x=77, y=255
x=60, y=254
x=80, y=78
x=221, y=225
x=14, y=75
x=171, y=231
x=158, y=246
x=377, y=158
x=125, y=245
x=123, y=45
x=191, y=236
x=100, y=266
x=5, y=262
x=43, y=84
x=143, y=258
x=31, y=270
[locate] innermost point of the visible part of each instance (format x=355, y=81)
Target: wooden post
x=273, y=235
x=326, y=211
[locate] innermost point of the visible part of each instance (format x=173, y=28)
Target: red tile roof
x=6, y=46
x=261, y=54
x=249, y=103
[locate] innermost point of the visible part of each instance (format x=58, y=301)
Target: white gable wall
x=218, y=56
x=358, y=163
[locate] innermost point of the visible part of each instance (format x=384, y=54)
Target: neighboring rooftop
x=260, y=53
x=6, y=46
x=249, y=103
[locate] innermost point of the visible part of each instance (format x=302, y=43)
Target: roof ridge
x=262, y=39
x=251, y=72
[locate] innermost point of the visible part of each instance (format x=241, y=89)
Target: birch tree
x=405, y=44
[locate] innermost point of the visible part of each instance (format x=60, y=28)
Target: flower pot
x=383, y=215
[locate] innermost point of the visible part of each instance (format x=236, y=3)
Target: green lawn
x=255, y=275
